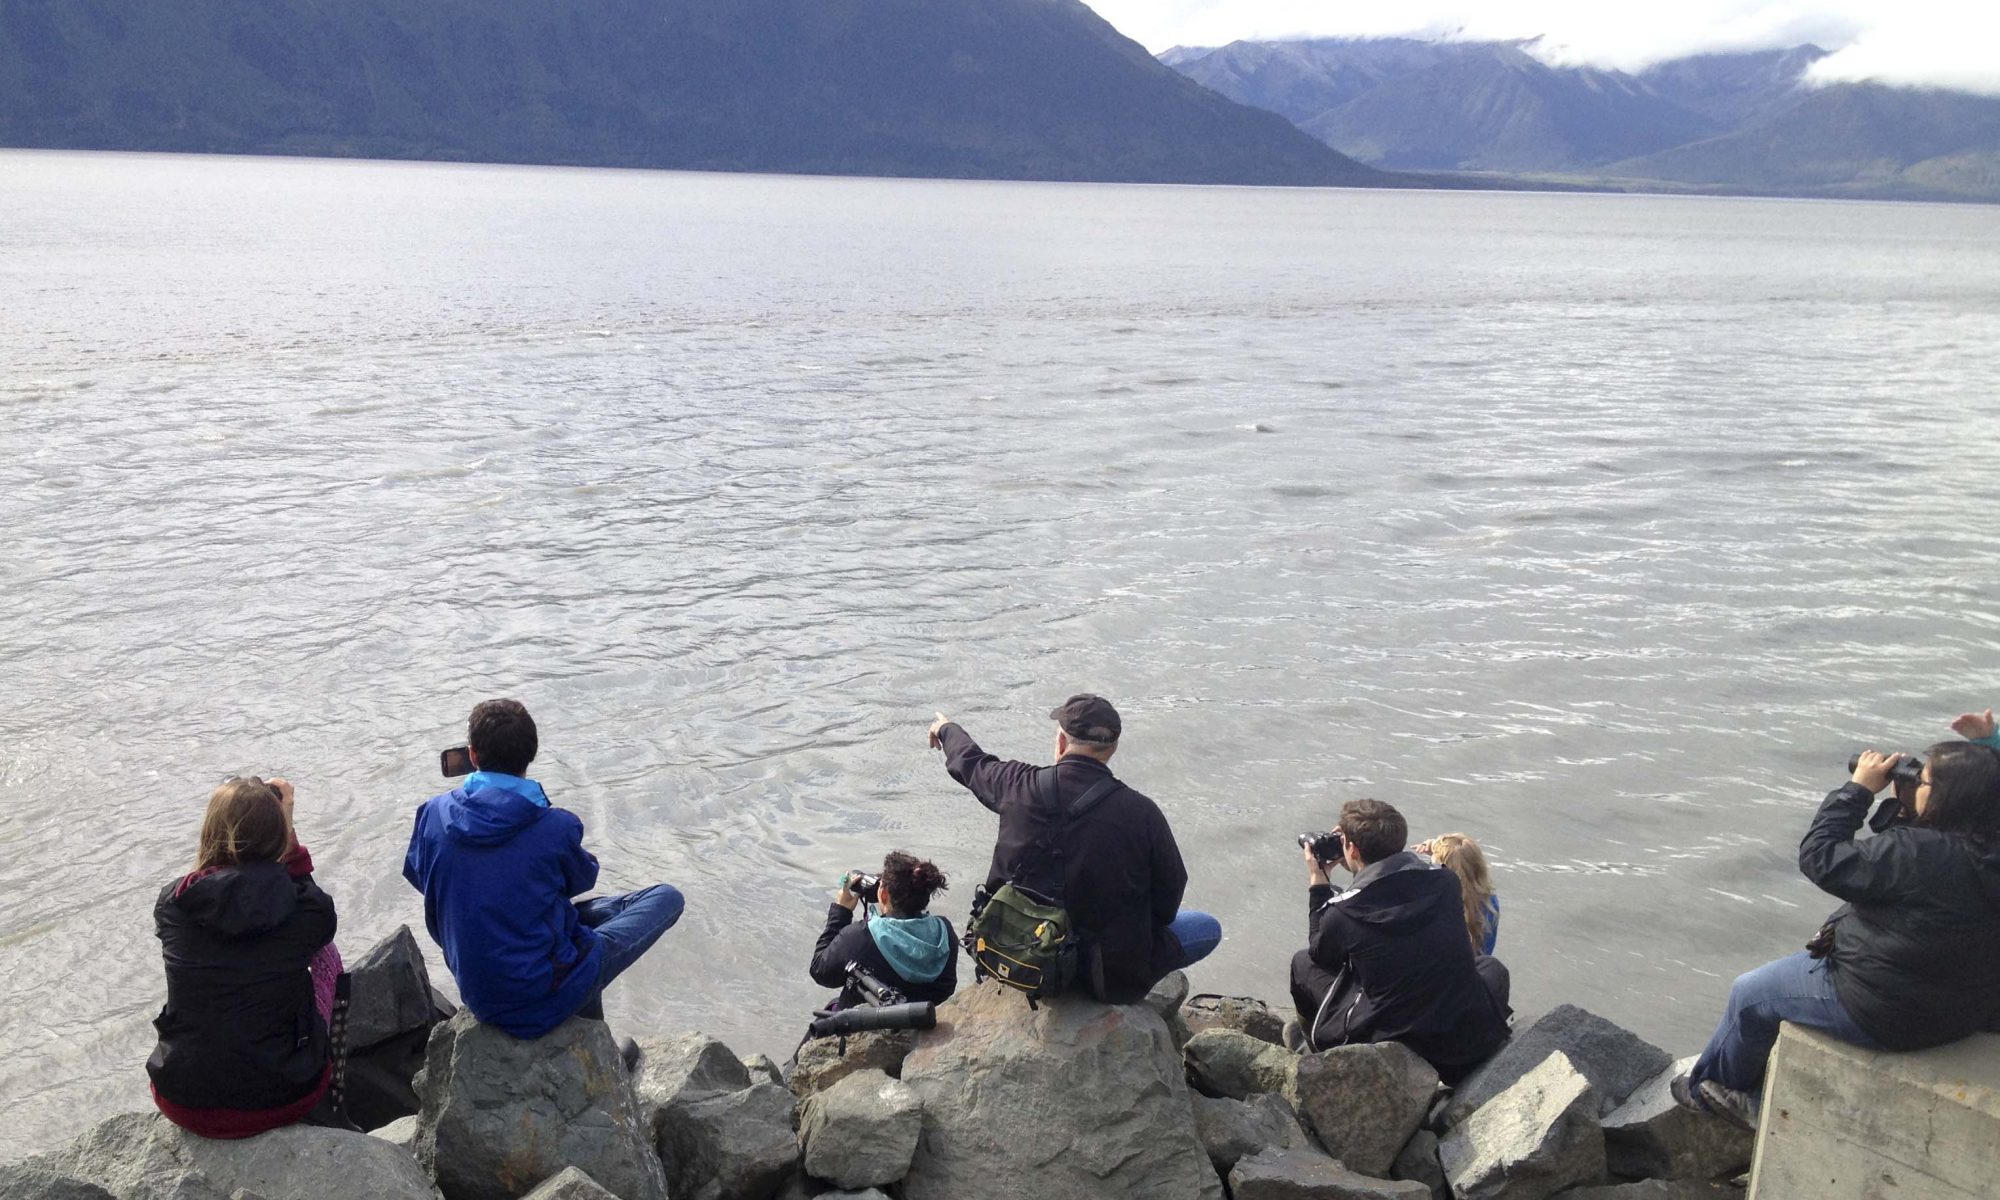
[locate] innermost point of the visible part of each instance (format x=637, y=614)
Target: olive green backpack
x=1019, y=936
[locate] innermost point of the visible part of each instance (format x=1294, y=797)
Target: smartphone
x=455, y=761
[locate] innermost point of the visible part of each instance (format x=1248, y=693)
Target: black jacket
x=845, y=940
x=1397, y=945
x=239, y=1029
x=1121, y=873
x=1916, y=950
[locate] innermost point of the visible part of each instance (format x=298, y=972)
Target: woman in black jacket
x=251, y=968
x=902, y=945
x=1912, y=960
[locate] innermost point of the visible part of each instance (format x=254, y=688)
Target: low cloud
x=1934, y=43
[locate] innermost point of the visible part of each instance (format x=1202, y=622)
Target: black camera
x=1326, y=847
x=1908, y=769
x=862, y=884
x=885, y=1008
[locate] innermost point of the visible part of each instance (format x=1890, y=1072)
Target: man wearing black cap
x=1122, y=876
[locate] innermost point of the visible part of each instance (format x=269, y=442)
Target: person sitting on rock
x=251, y=971
x=1389, y=959
x=1459, y=854
x=499, y=866
x=1121, y=872
x=902, y=945
x=1912, y=960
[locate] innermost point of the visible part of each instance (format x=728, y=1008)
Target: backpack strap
x=1088, y=801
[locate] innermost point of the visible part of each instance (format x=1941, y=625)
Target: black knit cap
x=1087, y=718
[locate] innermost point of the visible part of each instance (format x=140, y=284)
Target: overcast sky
x=1951, y=43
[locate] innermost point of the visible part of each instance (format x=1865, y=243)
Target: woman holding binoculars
x=902, y=944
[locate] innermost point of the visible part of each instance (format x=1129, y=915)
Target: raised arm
x=1858, y=872
x=982, y=774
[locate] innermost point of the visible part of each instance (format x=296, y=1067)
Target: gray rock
x=734, y=1146
x=1529, y=1142
x=1651, y=1137
x=1236, y=1129
x=389, y=992
x=862, y=1131
x=1166, y=999
x=1418, y=1161
x=143, y=1156
x=821, y=1063
x=1655, y=1189
x=1364, y=1102
x=686, y=1066
x=21, y=1182
x=500, y=1114
x=1244, y=1014
x=1310, y=1175
x=569, y=1184
x=1232, y=1064
x=381, y=1080
x=401, y=1132
x=760, y=1066
x=1615, y=1060
x=1075, y=1100
x=870, y=1194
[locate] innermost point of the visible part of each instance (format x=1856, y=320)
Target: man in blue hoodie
x=499, y=866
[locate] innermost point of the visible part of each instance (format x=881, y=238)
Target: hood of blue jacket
x=917, y=947
x=490, y=808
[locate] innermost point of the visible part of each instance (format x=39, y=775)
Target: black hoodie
x=1396, y=941
x=239, y=1029
x=1916, y=950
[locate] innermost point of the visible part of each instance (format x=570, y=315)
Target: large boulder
x=681, y=1069
x=1245, y=1014
x=1614, y=1059
x=861, y=1132
x=823, y=1062
x=1655, y=1189
x=733, y=1146
x=1310, y=1175
x=1232, y=1064
x=1529, y=1142
x=1236, y=1129
x=382, y=1080
x=1075, y=1100
x=143, y=1156
x=1364, y=1102
x=1651, y=1137
x=569, y=1184
x=19, y=1181
x=501, y=1115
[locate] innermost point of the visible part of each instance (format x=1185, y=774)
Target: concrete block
x=1842, y=1121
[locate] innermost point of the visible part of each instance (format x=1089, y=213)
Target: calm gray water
x=1600, y=527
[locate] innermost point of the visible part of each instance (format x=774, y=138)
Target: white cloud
x=1946, y=43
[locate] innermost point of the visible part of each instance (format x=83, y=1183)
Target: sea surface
x=1603, y=528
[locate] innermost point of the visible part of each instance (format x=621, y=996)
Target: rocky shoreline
x=1171, y=1098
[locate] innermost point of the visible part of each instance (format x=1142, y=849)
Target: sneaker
x=1683, y=1092
x=1737, y=1108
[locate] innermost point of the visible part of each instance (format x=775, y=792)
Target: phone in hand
x=455, y=761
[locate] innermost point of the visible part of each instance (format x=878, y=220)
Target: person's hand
x=1423, y=848
x=936, y=725
x=284, y=789
x=1872, y=772
x=1315, y=869
x=1974, y=726
x=845, y=898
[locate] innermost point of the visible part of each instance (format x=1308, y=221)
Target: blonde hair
x=245, y=823
x=1466, y=860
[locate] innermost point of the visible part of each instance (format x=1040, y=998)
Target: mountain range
x=1746, y=122
x=1009, y=89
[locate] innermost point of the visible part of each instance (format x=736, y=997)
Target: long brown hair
x=1467, y=861
x=245, y=823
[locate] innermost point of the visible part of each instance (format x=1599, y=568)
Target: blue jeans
x=627, y=926
x=1797, y=988
x=1198, y=933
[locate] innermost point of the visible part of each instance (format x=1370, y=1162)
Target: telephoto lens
x=918, y=1014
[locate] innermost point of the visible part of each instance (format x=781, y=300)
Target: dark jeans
x=1797, y=988
x=627, y=926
